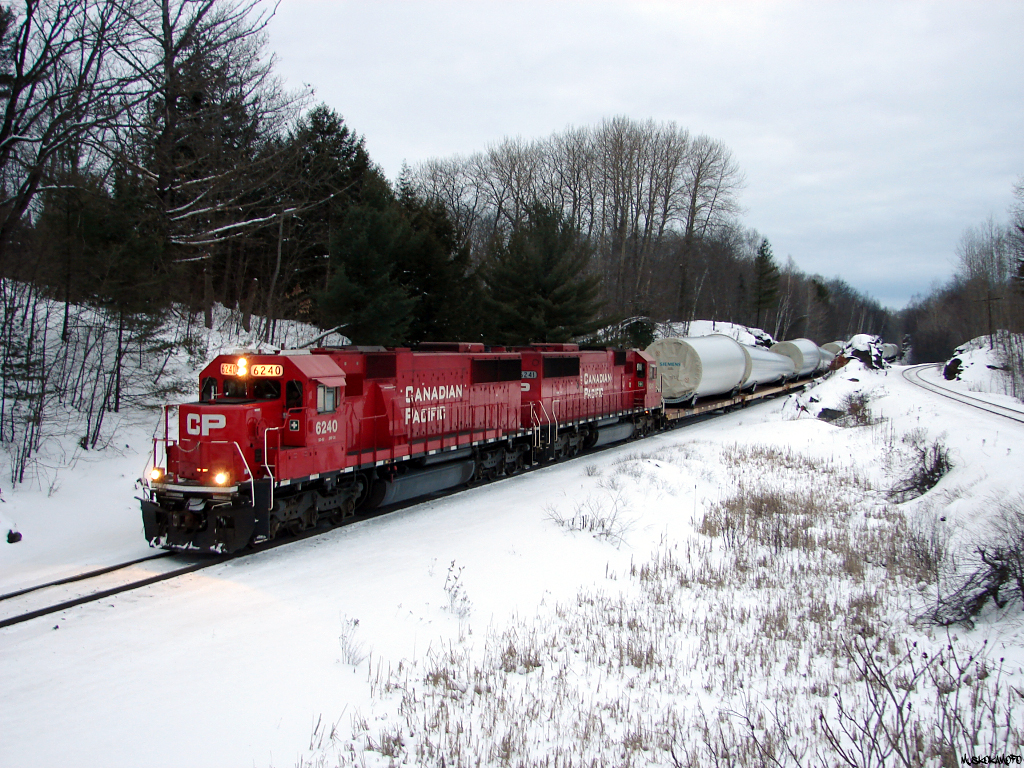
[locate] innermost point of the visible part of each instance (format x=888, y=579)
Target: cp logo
x=201, y=425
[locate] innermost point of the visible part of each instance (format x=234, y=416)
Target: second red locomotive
x=279, y=441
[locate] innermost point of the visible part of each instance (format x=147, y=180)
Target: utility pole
x=988, y=301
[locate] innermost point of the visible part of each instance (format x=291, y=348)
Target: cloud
x=871, y=133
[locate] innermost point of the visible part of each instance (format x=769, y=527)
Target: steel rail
x=83, y=576
x=110, y=592
x=913, y=376
x=207, y=562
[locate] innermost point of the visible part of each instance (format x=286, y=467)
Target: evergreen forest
x=152, y=166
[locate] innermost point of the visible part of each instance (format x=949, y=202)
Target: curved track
x=55, y=596
x=913, y=375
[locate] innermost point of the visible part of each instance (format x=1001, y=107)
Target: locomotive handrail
x=553, y=436
x=240, y=453
x=266, y=464
x=166, y=440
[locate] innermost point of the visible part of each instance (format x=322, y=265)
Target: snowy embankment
x=702, y=593
x=978, y=368
x=76, y=508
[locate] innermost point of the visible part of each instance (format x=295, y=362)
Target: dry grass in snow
x=777, y=631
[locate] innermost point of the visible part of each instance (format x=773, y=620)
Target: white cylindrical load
x=698, y=366
x=890, y=351
x=804, y=353
x=835, y=347
x=827, y=356
x=765, y=367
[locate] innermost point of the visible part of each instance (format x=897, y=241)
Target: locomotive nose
x=217, y=446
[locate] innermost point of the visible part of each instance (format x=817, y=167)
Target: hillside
x=707, y=591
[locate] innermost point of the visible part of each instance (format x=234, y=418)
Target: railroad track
x=55, y=596
x=913, y=375
x=61, y=594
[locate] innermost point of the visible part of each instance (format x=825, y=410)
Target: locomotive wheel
x=345, y=510
x=518, y=464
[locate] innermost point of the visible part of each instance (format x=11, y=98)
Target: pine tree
x=766, y=280
x=434, y=266
x=365, y=293
x=537, y=282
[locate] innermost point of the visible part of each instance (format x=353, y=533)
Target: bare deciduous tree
x=57, y=91
x=635, y=189
x=209, y=108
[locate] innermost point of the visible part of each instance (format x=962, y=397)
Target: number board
x=261, y=369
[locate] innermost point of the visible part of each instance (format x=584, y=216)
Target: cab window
x=293, y=394
x=234, y=388
x=641, y=371
x=208, y=392
x=326, y=399
x=266, y=389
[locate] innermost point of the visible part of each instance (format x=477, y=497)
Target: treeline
x=658, y=207
x=985, y=296
x=150, y=160
x=149, y=155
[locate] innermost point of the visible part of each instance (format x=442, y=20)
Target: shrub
x=999, y=564
x=930, y=463
x=856, y=406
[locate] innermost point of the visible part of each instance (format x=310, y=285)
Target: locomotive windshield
x=209, y=390
x=234, y=388
x=240, y=389
x=266, y=389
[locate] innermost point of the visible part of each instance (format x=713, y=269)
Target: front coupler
x=202, y=524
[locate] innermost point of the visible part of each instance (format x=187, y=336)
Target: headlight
x=242, y=363
x=221, y=478
x=156, y=474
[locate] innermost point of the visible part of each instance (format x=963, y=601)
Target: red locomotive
x=284, y=440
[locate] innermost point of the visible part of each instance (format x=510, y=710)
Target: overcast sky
x=870, y=133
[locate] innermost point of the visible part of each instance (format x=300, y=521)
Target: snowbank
x=743, y=334
x=977, y=367
x=630, y=607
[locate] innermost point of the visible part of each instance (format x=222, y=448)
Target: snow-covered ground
x=704, y=592
x=742, y=334
x=981, y=373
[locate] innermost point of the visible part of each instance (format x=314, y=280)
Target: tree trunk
x=250, y=301
x=208, y=297
x=273, y=283
x=117, y=362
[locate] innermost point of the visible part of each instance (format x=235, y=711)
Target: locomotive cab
x=214, y=486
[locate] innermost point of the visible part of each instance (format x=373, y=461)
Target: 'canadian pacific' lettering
x=434, y=394
x=593, y=384
x=435, y=411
